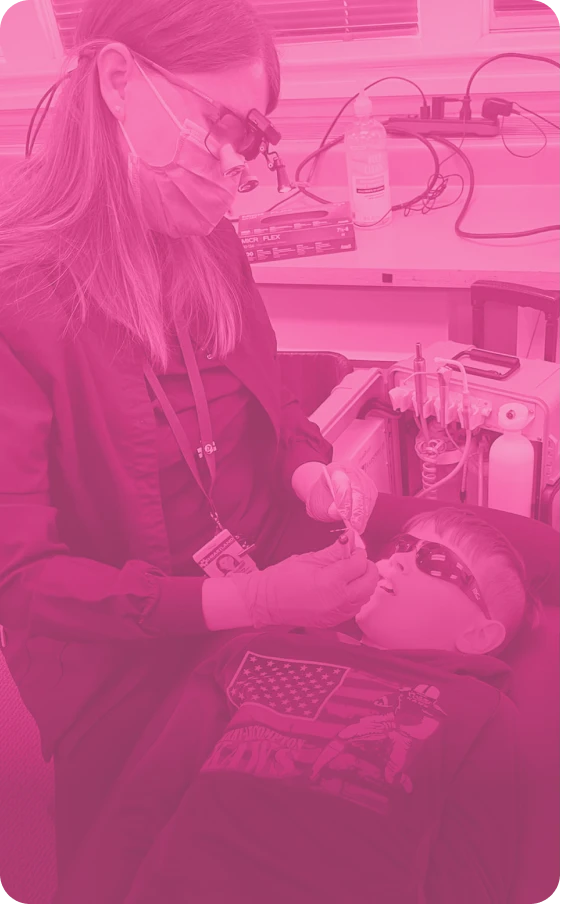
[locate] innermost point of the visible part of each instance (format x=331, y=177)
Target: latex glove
x=315, y=590
x=355, y=496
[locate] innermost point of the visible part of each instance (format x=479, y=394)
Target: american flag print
x=323, y=726
x=289, y=687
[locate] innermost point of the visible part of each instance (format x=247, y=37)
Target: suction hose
x=427, y=492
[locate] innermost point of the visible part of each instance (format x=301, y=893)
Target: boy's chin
x=366, y=623
x=370, y=612
x=376, y=630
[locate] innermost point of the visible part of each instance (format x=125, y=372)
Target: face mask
x=188, y=196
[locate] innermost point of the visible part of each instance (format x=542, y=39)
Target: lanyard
x=207, y=448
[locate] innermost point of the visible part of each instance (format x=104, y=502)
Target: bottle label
x=371, y=204
x=367, y=187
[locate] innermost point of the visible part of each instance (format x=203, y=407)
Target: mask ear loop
x=163, y=102
x=226, y=153
x=194, y=131
x=132, y=165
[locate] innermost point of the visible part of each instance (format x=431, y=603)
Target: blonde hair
x=67, y=211
x=496, y=565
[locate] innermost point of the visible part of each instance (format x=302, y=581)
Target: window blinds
x=66, y=13
x=300, y=20
x=316, y=20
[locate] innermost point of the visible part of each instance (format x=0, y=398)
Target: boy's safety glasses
x=439, y=561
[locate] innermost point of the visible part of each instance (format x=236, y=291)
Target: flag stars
x=284, y=686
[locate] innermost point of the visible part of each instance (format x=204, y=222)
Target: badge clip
x=208, y=449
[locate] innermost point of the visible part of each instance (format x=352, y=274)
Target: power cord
x=490, y=235
x=466, y=103
x=302, y=185
x=533, y=113
x=425, y=109
x=406, y=205
x=495, y=108
x=524, y=156
x=437, y=182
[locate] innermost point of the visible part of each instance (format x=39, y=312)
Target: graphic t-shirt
x=329, y=780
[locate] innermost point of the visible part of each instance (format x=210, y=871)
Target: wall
x=316, y=80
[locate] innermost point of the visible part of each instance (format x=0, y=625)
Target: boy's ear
x=483, y=638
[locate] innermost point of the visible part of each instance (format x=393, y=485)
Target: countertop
x=424, y=251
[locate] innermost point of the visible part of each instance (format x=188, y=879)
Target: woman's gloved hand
x=315, y=590
x=355, y=496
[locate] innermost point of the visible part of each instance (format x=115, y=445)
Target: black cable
x=476, y=235
x=533, y=113
x=322, y=149
x=427, y=198
x=429, y=204
x=391, y=131
x=305, y=191
x=466, y=104
x=431, y=191
x=524, y=156
x=379, y=81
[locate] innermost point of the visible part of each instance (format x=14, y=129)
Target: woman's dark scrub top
x=98, y=521
x=242, y=492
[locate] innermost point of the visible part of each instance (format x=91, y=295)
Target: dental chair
x=27, y=850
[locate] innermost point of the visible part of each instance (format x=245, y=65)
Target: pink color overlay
x=354, y=696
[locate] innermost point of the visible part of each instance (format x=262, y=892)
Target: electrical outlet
x=447, y=128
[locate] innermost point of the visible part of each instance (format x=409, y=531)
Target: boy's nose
x=401, y=562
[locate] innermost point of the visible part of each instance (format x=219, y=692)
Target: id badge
x=224, y=555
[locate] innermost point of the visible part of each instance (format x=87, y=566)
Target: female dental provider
x=143, y=425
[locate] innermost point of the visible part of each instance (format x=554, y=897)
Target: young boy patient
x=381, y=769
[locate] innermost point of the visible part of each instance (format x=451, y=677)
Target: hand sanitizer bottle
x=367, y=166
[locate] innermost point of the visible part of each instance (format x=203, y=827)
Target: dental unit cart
x=453, y=395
